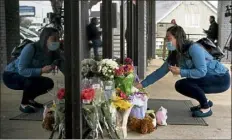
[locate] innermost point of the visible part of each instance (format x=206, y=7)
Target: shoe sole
x=210, y=114
x=23, y=111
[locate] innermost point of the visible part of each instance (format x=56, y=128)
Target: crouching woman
x=25, y=72
x=200, y=72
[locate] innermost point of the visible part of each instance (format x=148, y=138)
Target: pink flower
x=128, y=69
x=128, y=61
x=123, y=95
x=119, y=71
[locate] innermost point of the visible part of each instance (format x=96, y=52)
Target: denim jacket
x=31, y=61
x=199, y=64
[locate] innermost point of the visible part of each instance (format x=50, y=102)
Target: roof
x=164, y=8
x=95, y=14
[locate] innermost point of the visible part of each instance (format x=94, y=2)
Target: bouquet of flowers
x=106, y=69
x=88, y=68
x=124, y=77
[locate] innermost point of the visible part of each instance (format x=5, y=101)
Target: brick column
x=9, y=29
x=3, y=58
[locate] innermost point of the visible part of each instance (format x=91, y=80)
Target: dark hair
x=212, y=17
x=45, y=34
x=94, y=19
x=182, y=44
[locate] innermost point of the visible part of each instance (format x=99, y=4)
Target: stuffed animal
x=48, y=119
x=147, y=125
x=161, y=116
x=142, y=126
x=151, y=113
x=134, y=124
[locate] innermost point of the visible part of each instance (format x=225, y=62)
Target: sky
x=43, y=7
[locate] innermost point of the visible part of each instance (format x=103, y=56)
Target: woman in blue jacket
x=24, y=73
x=202, y=74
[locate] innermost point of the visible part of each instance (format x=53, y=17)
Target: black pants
x=197, y=88
x=32, y=86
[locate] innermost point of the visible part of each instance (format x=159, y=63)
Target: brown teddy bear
x=48, y=121
x=142, y=126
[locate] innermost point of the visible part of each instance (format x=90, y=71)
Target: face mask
x=170, y=47
x=53, y=46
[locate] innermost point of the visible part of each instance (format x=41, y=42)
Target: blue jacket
x=201, y=64
x=32, y=59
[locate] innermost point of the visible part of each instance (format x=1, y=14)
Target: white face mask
x=53, y=46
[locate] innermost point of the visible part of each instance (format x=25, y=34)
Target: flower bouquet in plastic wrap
x=88, y=68
x=124, y=79
x=58, y=111
x=106, y=71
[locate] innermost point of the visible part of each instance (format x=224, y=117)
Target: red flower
x=88, y=94
x=123, y=95
x=128, y=61
x=119, y=71
x=61, y=93
x=128, y=69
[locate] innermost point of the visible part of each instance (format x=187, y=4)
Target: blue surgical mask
x=170, y=47
x=53, y=46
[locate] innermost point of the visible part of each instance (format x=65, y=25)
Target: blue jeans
x=96, y=44
x=197, y=88
x=32, y=86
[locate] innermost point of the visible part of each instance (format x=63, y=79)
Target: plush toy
x=161, y=116
x=48, y=119
x=142, y=126
x=151, y=113
x=134, y=124
x=147, y=125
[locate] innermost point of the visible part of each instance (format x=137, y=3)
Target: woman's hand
x=175, y=70
x=47, y=69
x=139, y=86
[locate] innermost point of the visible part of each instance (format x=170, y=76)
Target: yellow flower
x=118, y=102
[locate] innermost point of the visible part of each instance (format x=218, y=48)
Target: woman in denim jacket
x=24, y=73
x=202, y=74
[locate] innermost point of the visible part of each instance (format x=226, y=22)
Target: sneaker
x=35, y=104
x=195, y=108
x=27, y=108
x=199, y=113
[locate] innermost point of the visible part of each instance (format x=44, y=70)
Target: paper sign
x=108, y=87
x=96, y=86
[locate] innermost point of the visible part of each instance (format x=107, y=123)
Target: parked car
x=35, y=26
x=27, y=34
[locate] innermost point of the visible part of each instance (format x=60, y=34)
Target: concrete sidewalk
x=219, y=123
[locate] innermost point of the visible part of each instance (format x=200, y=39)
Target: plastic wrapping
x=140, y=105
x=122, y=119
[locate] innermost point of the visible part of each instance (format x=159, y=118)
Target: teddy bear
x=142, y=126
x=147, y=125
x=48, y=119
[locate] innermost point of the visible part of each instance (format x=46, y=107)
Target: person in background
x=25, y=72
x=201, y=74
x=94, y=35
x=173, y=21
x=212, y=32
